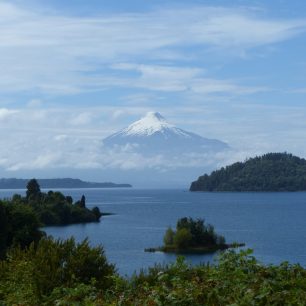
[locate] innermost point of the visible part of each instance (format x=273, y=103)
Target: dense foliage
x=192, y=234
x=56, y=273
x=22, y=217
x=19, y=225
x=270, y=172
x=238, y=279
x=53, y=208
x=38, y=274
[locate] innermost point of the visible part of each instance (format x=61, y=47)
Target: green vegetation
x=192, y=236
x=270, y=172
x=19, y=225
x=22, y=217
x=45, y=272
x=53, y=208
x=56, y=272
x=65, y=273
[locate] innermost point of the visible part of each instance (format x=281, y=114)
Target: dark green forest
x=269, y=172
x=21, y=217
x=54, y=208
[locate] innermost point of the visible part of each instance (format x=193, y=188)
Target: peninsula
x=266, y=173
x=15, y=183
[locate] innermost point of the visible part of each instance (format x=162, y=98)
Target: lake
x=273, y=224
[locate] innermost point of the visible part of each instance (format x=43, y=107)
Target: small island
x=266, y=173
x=192, y=237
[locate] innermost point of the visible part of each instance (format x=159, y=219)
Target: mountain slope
x=153, y=134
x=270, y=172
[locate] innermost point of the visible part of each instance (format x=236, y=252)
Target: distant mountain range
x=269, y=172
x=14, y=183
x=153, y=135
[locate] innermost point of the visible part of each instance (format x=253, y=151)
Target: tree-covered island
x=269, y=172
x=193, y=237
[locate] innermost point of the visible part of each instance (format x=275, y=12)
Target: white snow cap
x=151, y=123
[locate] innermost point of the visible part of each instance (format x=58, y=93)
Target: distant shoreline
x=58, y=183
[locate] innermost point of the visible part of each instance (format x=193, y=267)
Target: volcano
x=152, y=134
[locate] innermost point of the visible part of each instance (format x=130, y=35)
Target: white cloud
x=178, y=79
x=6, y=113
x=60, y=137
x=58, y=54
x=52, y=141
x=82, y=118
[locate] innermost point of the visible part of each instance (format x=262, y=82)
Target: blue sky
x=74, y=72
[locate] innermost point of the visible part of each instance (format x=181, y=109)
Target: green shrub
x=182, y=238
x=35, y=272
x=237, y=279
x=169, y=237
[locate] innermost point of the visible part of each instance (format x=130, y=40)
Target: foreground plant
x=66, y=273
x=237, y=279
x=29, y=276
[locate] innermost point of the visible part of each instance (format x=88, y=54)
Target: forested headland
x=269, y=172
x=21, y=217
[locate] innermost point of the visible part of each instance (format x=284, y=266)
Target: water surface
x=273, y=224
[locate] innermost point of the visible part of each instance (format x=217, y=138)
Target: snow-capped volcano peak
x=151, y=123
x=153, y=135
x=154, y=116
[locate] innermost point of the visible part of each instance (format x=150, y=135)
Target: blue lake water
x=273, y=224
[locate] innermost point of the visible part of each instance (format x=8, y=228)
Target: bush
x=20, y=225
x=27, y=276
x=182, y=238
x=169, y=237
x=237, y=279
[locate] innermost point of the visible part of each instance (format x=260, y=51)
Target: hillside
x=270, y=172
x=14, y=183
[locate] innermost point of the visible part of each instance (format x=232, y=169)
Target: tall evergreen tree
x=33, y=189
x=83, y=201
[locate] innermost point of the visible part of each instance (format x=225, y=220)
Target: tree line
x=21, y=217
x=269, y=172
